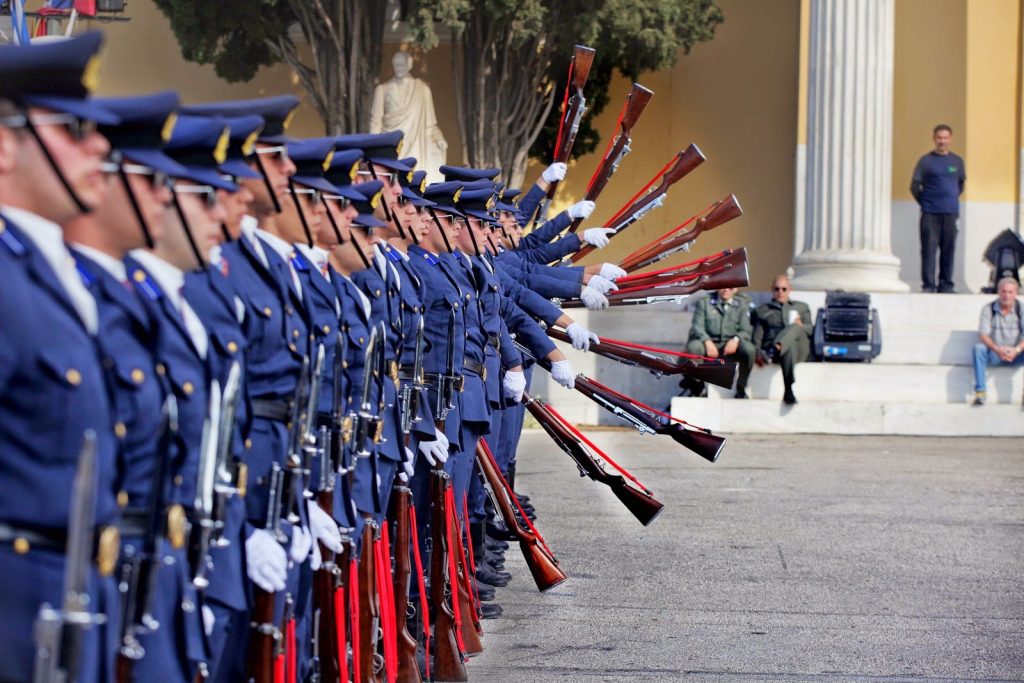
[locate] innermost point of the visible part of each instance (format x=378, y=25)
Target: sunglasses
x=157, y=179
x=314, y=195
x=343, y=202
x=277, y=153
x=209, y=193
x=388, y=178
x=780, y=289
x=77, y=128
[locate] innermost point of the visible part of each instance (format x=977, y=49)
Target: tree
x=337, y=66
x=510, y=59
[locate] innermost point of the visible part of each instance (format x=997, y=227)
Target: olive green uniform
x=771, y=327
x=721, y=321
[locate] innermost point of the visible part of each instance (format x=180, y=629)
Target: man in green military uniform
x=782, y=333
x=721, y=329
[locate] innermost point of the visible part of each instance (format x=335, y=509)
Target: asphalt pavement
x=794, y=558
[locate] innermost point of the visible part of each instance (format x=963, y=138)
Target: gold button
x=120, y=430
x=232, y=347
x=456, y=307
x=293, y=348
x=161, y=369
x=344, y=364
x=74, y=377
x=138, y=376
x=3, y=226
x=327, y=329
x=248, y=443
x=21, y=546
x=122, y=499
x=267, y=311
x=376, y=292
x=468, y=297
x=289, y=310
x=310, y=337
x=295, y=333
x=139, y=276
x=360, y=340
x=178, y=479
x=188, y=388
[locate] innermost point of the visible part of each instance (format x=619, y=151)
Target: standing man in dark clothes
x=937, y=184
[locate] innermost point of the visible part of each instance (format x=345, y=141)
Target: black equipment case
x=847, y=328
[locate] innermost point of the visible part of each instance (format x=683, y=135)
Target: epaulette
x=87, y=277
x=430, y=258
x=9, y=240
x=392, y=254
x=145, y=284
x=299, y=263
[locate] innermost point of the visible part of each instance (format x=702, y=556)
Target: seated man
x=721, y=328
x=1001, y=333
x=782, y=333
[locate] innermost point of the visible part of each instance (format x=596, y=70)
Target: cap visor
x=82, y=108
x=209, y=177
x=155, y=159
x=393, y=164
x=239, y=169
x=317, y=184
x=366, y=220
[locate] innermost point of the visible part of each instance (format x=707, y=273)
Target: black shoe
x=946, y=290
x=490, y=610
x=789, y=398
x=927, y=290
x=496, y=563
x=500, y=534
x=485, y=593
x=741, y=393
x=523, y=499
x=485, y=574
x=494, y=545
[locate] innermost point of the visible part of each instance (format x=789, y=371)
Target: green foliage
x=233, y=35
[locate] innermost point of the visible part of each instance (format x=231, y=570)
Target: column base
x=853, y=271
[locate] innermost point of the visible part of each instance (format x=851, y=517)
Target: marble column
x=846, y=241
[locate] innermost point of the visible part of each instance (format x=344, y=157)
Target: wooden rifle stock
x=408, y=670
x=370, y=662
x=325, y=581
x=731, y=276
x=722, y=212
x=636, y=102
x=582, y=61
x=724, y=259
x=264, y=638
x=684, y=163
x=642, y=505
x=716, y=371
x=448, y=664
x=543, y=567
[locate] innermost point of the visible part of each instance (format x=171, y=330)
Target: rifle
x=573, y=108
x=661, y=361
x=412, y=389
x=139, y=572
x=539, y=558
x=58, y=634
x=264, y=633
x=448, y=660
x=644, y=418
x=231, y=480
x=636, y=102
x=679, y=239
x=203, y=505
x=724, y=258
x=408, y=670
x=720, y=277
x=641, y=204
x=371, y=664
x=638, y=501
x=364, y=420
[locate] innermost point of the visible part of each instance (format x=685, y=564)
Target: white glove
x=435, y=451
x=593, y=299
x=266, y=561
x=561, y=372
x=555, y=171
x=514, y=385
x=405, y=474
x=209, y=619
x=580, y=336
x=601, y=284
x=611, y=271
x=582, y=209
x=596, y=237
x=316, y=560
x=302, y=542
x=324, y=528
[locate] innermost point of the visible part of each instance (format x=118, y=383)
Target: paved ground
x=795, y=558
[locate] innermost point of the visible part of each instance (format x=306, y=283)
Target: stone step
x=851, y=417
x=840, y=382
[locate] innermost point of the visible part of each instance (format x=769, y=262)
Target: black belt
x=135, y=524
x=106, y=543
x=495, y=341
x=405, y=373
x=277, y=409
x=478, y=368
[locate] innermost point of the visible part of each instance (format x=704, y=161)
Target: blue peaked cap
x=276, y=112
x=199, y=144
x=145, y=127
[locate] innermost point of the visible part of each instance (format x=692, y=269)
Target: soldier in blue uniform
x=130, y=217
x=52, y=386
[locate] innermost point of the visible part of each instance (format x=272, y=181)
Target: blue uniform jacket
x=475, y=407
